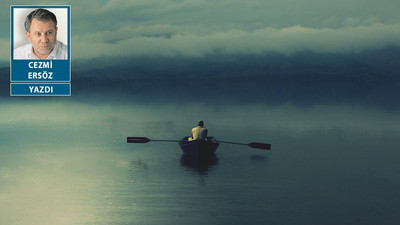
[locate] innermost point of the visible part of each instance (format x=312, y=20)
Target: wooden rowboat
x=199, y=147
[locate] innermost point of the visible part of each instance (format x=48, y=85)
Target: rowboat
x=199, y=147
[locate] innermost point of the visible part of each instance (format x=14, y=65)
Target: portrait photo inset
x=41, y=33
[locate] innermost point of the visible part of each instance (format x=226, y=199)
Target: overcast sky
x=193, y=28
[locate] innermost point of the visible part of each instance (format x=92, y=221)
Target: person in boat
x=199, y=132
x=41, y=31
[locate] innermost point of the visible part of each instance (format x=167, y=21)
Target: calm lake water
x=66, y=161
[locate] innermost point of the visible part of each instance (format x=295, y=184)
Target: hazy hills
x=306, y=77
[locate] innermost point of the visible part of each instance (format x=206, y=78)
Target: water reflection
x=71, y=161
x=201, y=165
x=259, y=158
x=138, y=165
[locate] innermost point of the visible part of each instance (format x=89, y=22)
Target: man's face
x=42, y=36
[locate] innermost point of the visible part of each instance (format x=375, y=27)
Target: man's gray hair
x=39, y=14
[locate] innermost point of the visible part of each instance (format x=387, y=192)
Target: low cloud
x=194, y=28
x=165, y=40
x=4, y=51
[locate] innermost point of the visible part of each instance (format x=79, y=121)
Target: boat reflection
x=199, y=164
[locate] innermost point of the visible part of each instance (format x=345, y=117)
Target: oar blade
x=137, y=140
x=260, y=145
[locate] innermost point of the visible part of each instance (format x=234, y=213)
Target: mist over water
x=66, y=160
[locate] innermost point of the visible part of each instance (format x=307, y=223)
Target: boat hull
x=199, y=147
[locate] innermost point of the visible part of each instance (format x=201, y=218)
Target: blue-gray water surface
x=66, y=161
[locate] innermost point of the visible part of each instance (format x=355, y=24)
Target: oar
x=145, y=140
x=252, y=144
